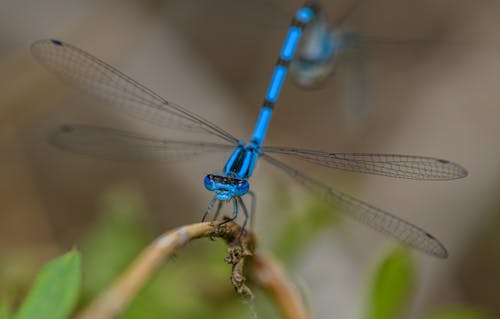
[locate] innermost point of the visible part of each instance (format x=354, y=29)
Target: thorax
x=242, y=161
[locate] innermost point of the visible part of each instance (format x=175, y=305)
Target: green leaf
x=459, y=312
x=54, y=293
x=392, y=285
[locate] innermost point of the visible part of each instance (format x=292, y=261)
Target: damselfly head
x=226, y=187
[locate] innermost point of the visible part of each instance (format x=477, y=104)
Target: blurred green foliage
x=195, y=284
x=55, y=291
x=294, y=228
x=300, y=230
x=117, y=236
x=392, y=286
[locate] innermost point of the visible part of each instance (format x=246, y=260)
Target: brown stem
x=118, y=296
x=265, y=272
x=268, y=274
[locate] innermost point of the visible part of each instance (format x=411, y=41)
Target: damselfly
x=126, y=95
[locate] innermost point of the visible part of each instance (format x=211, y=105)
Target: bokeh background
x=433, y=90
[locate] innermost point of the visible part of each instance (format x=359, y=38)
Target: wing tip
x=451, y=170
x=438, y=249
x=444, y=254
x=46, y=41
x=463, y=171
x=460, y=171
x=37, y=47
x=441, y=253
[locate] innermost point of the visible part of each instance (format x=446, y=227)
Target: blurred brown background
x=436, y=96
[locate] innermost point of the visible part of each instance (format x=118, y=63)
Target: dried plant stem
x=268, y=274
x=117, y=297
x=265, y=272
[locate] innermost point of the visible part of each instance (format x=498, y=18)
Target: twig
x=267, y=273
x=117, y=297
x=264, y=271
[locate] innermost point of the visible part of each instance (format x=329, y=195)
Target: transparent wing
x=392, y=165
x=367, y=214
x=123, y=93
x=120, y=145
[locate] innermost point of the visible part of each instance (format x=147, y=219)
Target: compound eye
x=209, y=182
x=242, y=187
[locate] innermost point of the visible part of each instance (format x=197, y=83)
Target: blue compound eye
x=209, y=183
x=242, y=188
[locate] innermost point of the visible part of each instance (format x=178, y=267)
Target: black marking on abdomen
x=268, y=104
x=282, y=62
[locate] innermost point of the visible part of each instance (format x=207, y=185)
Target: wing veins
x=127, y=95
x=367, y=214
x=122, y=145
x=392, y=165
